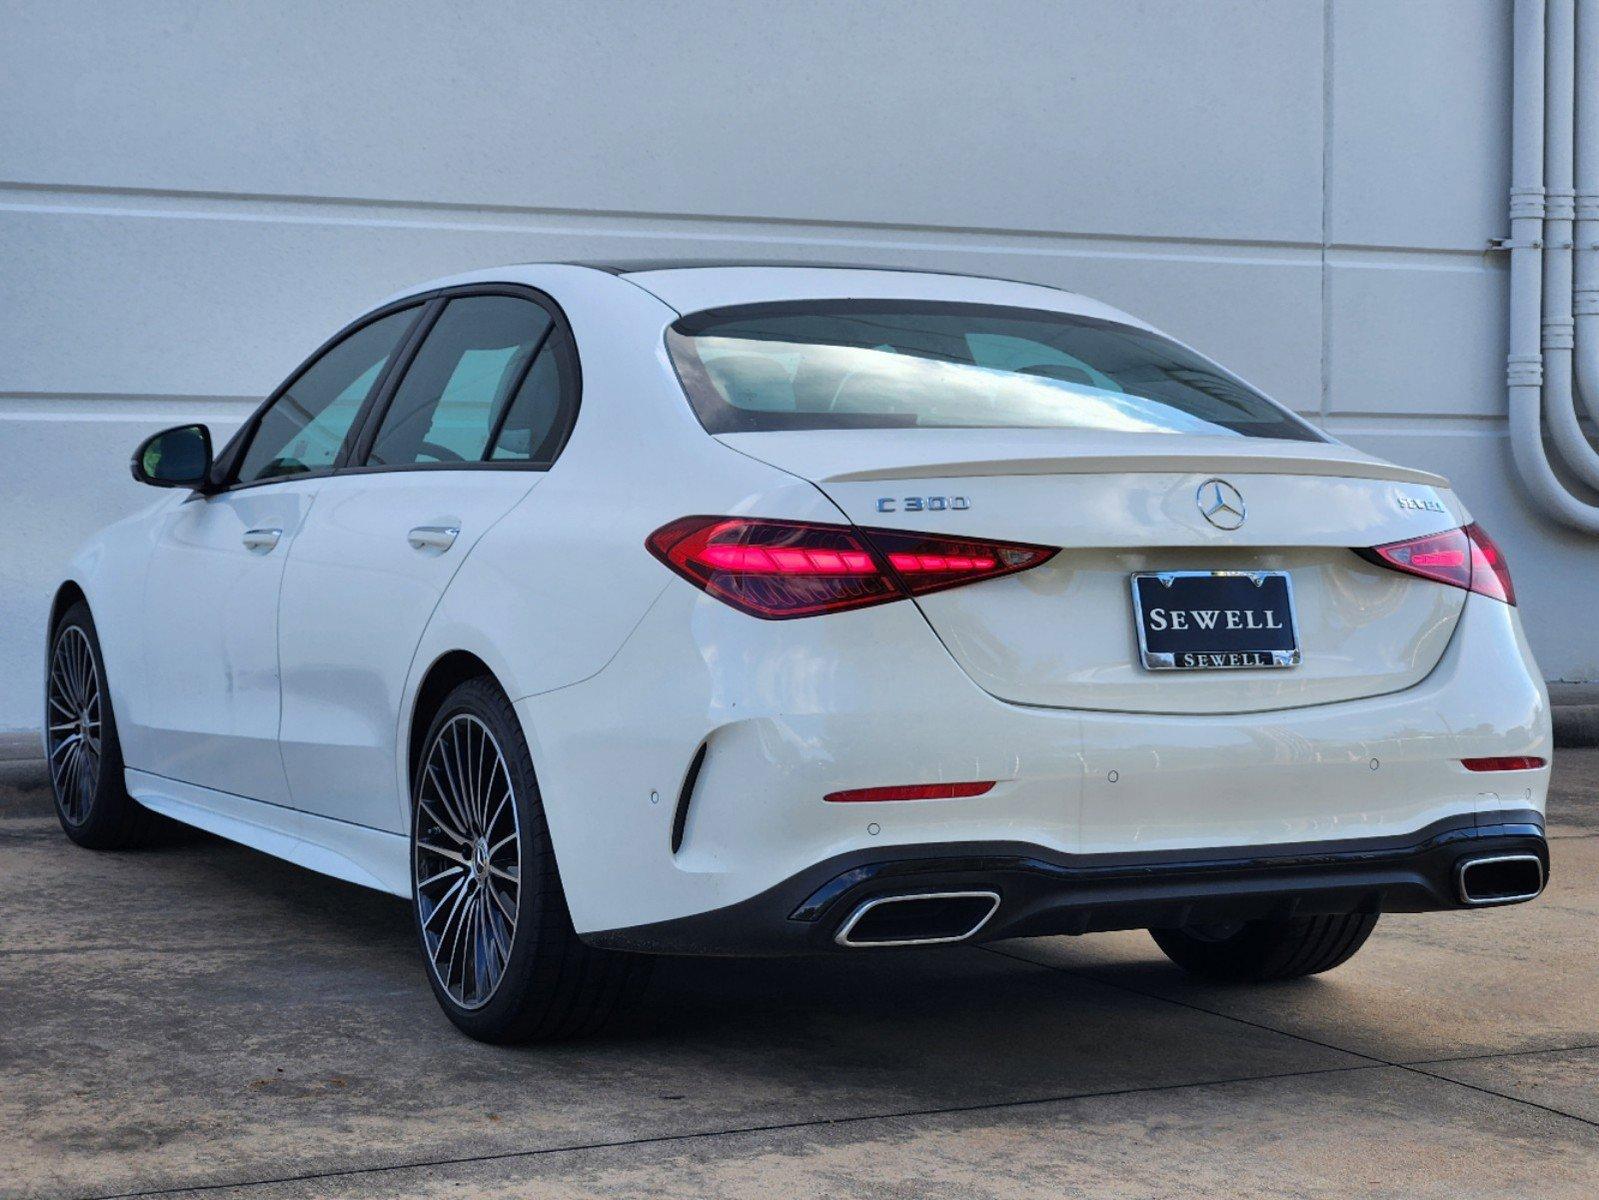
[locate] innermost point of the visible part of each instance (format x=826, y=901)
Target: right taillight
x=782, y=569
x=1463, y=558
x=1490, y=574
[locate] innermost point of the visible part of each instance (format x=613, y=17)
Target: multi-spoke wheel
x=468, y=860
x=502, y=956
x=75, y=707
x=81, y=739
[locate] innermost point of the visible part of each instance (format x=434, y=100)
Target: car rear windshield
x=874, y=364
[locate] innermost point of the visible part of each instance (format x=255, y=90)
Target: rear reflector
x=1502, y=764
x=1463, y=558
x=911, y=791
x=781, y=569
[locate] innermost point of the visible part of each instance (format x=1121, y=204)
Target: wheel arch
x=444, y=675
x=69, y=593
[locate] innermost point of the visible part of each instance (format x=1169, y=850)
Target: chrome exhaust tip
x=1499, y=879
x=923, y=919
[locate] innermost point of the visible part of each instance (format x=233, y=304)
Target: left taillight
x=1464, y=558
x=782, y=569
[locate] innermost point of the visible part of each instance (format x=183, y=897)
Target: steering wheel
x=442, y=453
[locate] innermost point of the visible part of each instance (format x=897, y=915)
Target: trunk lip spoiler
x=1143, y=464
x=1207, y=460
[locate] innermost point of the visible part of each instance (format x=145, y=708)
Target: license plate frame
x=1271, y=652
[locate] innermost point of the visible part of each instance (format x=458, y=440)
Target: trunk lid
x=1065, y=634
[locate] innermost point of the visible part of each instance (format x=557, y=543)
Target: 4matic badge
x=1420, y=503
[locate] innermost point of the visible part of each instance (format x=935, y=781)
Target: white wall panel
x=1146, y=117
x=1425, y=334
x=1419, y=142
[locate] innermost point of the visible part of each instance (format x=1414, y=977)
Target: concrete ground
x=199, y=1020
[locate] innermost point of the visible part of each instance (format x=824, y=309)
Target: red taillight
x=1463, y=558
x=1443, y=557
x=1502, y=764
x=1490, y=574
x=781, y=569
x=911, y=791
x=928, y=562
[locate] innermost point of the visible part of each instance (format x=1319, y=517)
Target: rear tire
x=1258, y=951
x=502, y=956
x=85, y=757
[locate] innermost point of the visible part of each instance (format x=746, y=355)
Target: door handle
x=261, y=541
x=433, y=537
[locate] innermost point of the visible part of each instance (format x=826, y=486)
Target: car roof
x=694, y=285
x=642, y=266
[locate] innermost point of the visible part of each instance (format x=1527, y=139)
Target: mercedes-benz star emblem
x=1220, y=503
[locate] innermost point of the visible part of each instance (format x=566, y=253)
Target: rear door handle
x=433, y=537
x=261, y=541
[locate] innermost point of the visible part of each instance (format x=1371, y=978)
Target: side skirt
x=354, y=853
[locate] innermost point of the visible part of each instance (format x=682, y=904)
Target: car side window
x=305, y=426
x=535, y=427
x=470, y=367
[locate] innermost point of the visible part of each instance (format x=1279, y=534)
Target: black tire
x=1258, y=951
x=91, y=800
x=551, y=985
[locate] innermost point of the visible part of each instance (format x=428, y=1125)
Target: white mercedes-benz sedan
x=609, y=611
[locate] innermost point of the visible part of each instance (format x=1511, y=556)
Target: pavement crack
x=1488, y=1091
x=148, y=948
x=737, y=1131
x=1454, y=1058
x=1370, y=1058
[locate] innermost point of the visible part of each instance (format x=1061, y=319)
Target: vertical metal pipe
x=1524, y=374
x=1585, y=297
x=1559, y=404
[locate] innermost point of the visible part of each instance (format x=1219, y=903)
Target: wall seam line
x=1326, y=192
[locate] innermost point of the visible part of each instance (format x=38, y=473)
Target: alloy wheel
x=468, y=858
x=76, y=712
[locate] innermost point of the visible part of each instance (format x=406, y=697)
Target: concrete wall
x=194, y=195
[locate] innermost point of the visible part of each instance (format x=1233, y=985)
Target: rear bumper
x=1043, y=892
x=789, y=712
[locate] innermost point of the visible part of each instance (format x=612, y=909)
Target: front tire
x=502, y=956
x=85, y=757
x=1258, y=951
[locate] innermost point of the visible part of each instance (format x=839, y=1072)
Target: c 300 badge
x=922, y=503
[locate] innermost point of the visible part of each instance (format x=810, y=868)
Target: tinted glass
x=305, y=426
x=898, y=364
x=466, y=372
x=540, y=415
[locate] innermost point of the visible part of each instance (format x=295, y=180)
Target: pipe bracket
x=1557, y=333
x=1524, y=370
x=1526, y=202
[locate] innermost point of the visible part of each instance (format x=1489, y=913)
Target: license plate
x=1215, y=620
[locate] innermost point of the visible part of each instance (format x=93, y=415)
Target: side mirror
x=177, y=457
